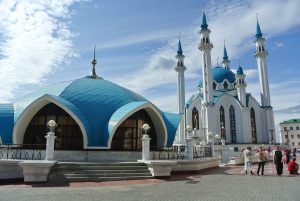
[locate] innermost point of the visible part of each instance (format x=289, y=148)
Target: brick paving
x=225, y=183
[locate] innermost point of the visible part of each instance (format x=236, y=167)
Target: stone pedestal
x=160, y=168
x=50, y=146
x=9, y=169
x=145, y=147
x=189, y=148
x=36, y=171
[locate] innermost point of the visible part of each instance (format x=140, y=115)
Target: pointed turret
x=179, y=49
x=258, y=31
x=225, y=61
x=204, y=23
x=240, y=85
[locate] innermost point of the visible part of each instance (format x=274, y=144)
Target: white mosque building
x=222, y=106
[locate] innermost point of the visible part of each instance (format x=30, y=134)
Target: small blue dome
x=240, y=71
x=220, y=74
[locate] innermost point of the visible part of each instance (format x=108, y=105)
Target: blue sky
x=52, y=41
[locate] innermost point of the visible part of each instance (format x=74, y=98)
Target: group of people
x=279, y=159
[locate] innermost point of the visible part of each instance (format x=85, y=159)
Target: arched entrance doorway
x=68, y=133
x=129, y=133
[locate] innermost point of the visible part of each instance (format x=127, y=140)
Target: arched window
x=129, y=133
x=214, y=85
x=195, y=118
x=232, y=124
x=225, y=85
x=222, y=123
x=253, y=126
x=68, y=133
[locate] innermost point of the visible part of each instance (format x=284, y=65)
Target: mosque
x=94, y=113
x=222, y=107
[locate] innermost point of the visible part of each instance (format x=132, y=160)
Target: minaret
x=180, y=68
x=205, y=47
x=225, y=61
x=261, y=55
x=240, y=85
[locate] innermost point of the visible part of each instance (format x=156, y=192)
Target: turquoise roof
x=225, y=57
x=258, y=31
x=97, y=103
x=6, y=122
x=204, y=23
x=220, y=74
x=240, y=71
x=179, y=50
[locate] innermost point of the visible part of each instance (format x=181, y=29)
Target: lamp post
x=50, y=140
x=146, y=143
x=223, y=132
x=271, y=139
x=204, y=134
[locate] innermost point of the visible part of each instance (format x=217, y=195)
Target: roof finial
x=239, y=62
x=225, y=56
x=94, y=62
x=217, y=61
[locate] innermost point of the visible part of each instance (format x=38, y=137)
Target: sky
x=45, y=42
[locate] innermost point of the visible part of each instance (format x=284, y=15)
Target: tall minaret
x=225, y=61
x=240, y=85
x=261, y=55
x=180, y=68
x=205, y=47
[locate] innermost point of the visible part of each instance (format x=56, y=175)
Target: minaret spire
x=258, y=31
x=94, y=62
x=225, y=61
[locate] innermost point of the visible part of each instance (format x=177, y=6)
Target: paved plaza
x=225, y=183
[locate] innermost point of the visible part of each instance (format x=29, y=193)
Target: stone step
x=119, y=174
x=101, y=164
x=64, y=171
x=100, y=179
x=99, y=167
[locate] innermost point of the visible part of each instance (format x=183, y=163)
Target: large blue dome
x=219, y=74
x=97, y=103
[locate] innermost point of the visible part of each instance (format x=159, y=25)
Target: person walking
x=261, y=158
x=248, y=163
x=277, y=160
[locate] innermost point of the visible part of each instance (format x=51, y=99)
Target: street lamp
x=146, y=128
x=222, y=132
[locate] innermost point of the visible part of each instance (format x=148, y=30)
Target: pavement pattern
x=224, y=183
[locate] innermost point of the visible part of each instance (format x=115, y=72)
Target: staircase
x=97, y=172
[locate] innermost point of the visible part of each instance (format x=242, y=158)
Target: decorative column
x=50, y=140
x=145, y=143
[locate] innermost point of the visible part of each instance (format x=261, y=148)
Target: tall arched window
x=253, y=126
x=195, y=118
x=225, y=85
x=129, y=133
x=68, y=133
x=214, y=85
x=232, y=124
x=222, y=123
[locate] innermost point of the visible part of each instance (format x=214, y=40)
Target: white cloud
x=229, y=21
x=279, y=44
x=35, y=40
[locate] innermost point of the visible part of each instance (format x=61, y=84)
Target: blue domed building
x=91, y=113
